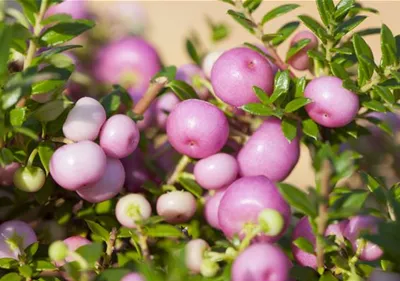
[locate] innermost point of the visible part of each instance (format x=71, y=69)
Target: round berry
x=236, y=72
x=303, y=229
x=209, y=61
x=7, y=173
x=251, y=264
x=132, y=208
x=110, y=184
x=379, y=275
x=119, y=136
x=84, y=120
x=73, y=243
x=85, y=159
x=190, y=73
x=194, y=252
x=133, y=277
x=76, y=9
x=301, y=61
x=176, y=206
x=135, y=171
x=359, y=225
x=58, y=251
x=243, y=202
x=15, y=236
x=332, y=105
x=29, y=179
x=197, y=128
x=269, y=153
x=216, y=171
x=211, y=207
x=165, y=104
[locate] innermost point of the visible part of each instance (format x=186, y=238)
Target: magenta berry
x=303, y=229
x=131, y=61
x=84, y=120
x=132, y=208
x=197, y=128
x=189, y=73
x=274, y=67
x=135, y=171
x=332, y=105
x=165, y=104
x=119, y=136
x=194, y=252
x=85, y=159
x=251, y=264
x=15, y=237
x=7, y=173
x=359, y=225
x=236, y=72
x=244, y=200
x=216, y=171
x=211, y=207
x=77, y=9
x=110, y=184
x=269, y=153
x=176, y=206
x=133, y=277
x=301, y=61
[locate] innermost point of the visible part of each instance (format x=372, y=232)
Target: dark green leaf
x=219, y=31
x=57, y=18
x=282, y=84
x=339, y=71
x=316, y=55
x=112, y=102
x=300, y=273
x=5, y=39
x=113, y=274
x=369, y=31
x=65, y=31
x=44, y=194
x=53, y=51
x=279, y=11
x=300, y=45
x=284, y=32
x=252, y=5
x=262, y=96
x=348, y=204
x=305, y=245
x=30, y=5
x=163, y=230
x=229, y=2
x=191, y=50
x=289, y=128
x=191, y=186
x=12, y=277
x=347, y=26
x=374, y=105
x=242, y=20
x=300, y=86
x=20, y=35
x=297, y=199
x=27, y=132
x=343, y=7
x=377, y=189
x=6, y=156
x=31, y=250
x=91, y=253
x=46, y=150
x=51, y=110
x=296, y=104
x=327, y=276
x=269, y=37
x=97, y=229
x=314, y=26
x=326, y=8
x=258, y=109
x=257, y=49
x=183, y=90
x=388, y=47
x=384, y=93
x=365, y=69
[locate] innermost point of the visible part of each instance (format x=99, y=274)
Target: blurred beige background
x=171, y=22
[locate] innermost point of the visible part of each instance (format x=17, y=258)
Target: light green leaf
x=296, y=104
x=278, y=11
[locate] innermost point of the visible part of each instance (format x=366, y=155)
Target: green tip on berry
x=271, y=222
x=58, y=251
x=209, y=268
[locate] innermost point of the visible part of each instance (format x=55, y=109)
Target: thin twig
x=152, y=92
x=185, y=160
x=143, y=243
x=110, y=248
x=322, y=221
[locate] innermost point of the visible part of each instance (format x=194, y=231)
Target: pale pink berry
x=176, y=206
x=194, y=254
x=131, y=209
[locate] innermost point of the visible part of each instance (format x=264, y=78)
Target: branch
x=110, y=248
x=185, y=160
x=152, y=92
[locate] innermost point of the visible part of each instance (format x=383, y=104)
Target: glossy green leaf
x=326, y=9
x=183, y=90
x=52, y=110
x=191, y=186
x=53, y=51
x=163, y=230
x=343, y=7
x=258, y=109
x=57, y=18
x=388, y=47
x=278, y=11
x=347, y=26
x=25, y=271
x=191, y=50
x=6, y=157
x=46, y=150
x=374, y=105
x=365, y=69
x=348, y=204
x=385, y=94
x=65, y=31
x=252, y=5
x=5, y=39
x=98, y=230
x=91, y=253
x=310, y=128
x=376, y=188
x=42, y=265
x=314, y=26
x=11, y=277
x=289, y=128
x=261, y=95
x=316, y=55
x=297, y=199
x=339, y=71
x=300, y=87
x=297, y=104
x=282, y=84
x=284, y=32
x=296, y=48
x=305, y=245
x=242, y=20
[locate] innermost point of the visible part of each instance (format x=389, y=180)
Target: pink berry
x=119, y=136
x=133, y=277
x=189, y=73
x=84, y=158
x=211, y=207
x=73, y=243
x=84, y=120
x=176, y=206
x=269, y=153
x=165, y=104
x=15, y=236
x=194, y=251
x=197, y=128
x=131, y=61
x=332, y=105
x=236, y=72
x=209, y=61
x=132, y=208
x=77, y=9
x=244, y=200
x=261, y=262
x=337, y=229
x=135, y=171
x=7, y=173
x=359, y=225
x=216, y=171
x=274, y=67
x=301, y=61
x=108, y=186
